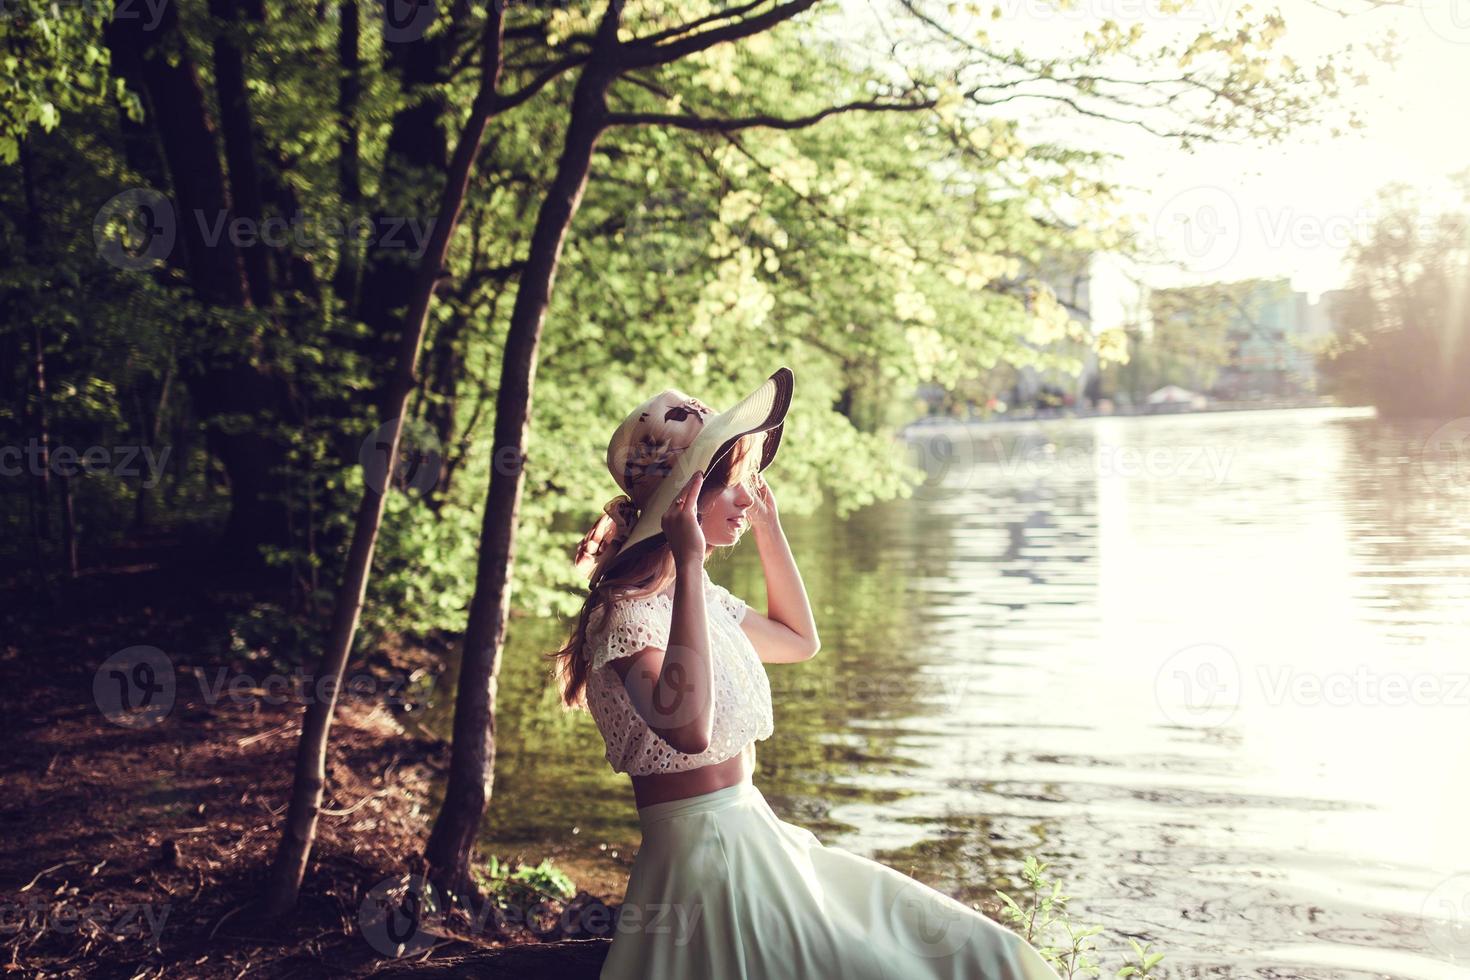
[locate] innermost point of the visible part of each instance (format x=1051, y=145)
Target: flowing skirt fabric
x=722, y=888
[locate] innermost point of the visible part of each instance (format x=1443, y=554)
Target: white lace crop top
x=742, y=695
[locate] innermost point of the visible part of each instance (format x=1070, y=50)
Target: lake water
x=1214, y=669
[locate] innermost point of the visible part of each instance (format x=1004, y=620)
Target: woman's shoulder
x=656, y=608
x=635, y=601
x=626, y=625
x=623, y=608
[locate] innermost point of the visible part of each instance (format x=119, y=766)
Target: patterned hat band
x=640, y=455
x=606, y=536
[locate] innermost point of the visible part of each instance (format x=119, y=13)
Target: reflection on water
x=1212, y=668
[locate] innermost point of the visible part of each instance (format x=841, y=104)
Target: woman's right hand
x=681, y=522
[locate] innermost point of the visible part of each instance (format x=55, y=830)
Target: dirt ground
x=137, y=849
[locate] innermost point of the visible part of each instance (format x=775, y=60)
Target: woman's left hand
x=763, y=512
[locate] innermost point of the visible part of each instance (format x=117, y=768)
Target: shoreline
x=932, y=423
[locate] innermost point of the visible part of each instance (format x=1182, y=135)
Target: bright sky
x=1287, y=210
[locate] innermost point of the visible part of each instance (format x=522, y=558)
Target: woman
x=670, y=665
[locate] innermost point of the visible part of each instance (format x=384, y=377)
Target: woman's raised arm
x=673, y=689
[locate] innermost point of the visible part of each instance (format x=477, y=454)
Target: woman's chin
x=729, y=534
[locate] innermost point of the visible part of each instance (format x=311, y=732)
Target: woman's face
x=722, y=514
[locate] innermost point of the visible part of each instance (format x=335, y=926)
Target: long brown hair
x=641, y=576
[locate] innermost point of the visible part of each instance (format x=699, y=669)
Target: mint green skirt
x=722, y=888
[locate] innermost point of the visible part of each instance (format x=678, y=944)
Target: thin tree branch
x=508, y=102
x=500, y=273
x=1034, y=69
x=631, y=55
x=1202, y=135
x=693, y=25
x=716, y=125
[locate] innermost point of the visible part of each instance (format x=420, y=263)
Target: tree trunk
x=40, y=425
x=415, y=162
x=235, y=123
x=179, y=114
x=69, y=529
x=299, y=832
x=140, y=149
x=39, y=415
x=472, y=762
x=349, y=168
x=150, y=428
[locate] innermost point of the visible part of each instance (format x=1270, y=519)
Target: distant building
x=1323, y=315
x=1274, y=335
x=1102, y=291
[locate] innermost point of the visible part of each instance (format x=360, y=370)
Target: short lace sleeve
x=726, y=602
x=631, y=625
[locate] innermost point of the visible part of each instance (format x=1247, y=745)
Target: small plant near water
x=1043, y=922
x=525, y=886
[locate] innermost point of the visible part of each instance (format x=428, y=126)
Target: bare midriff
x=666, y=786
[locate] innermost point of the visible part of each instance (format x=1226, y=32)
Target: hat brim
x=763, y=410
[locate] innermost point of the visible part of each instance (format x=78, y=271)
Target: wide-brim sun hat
x=658, y=447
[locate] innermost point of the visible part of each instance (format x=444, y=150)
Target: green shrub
x=1043, y=922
